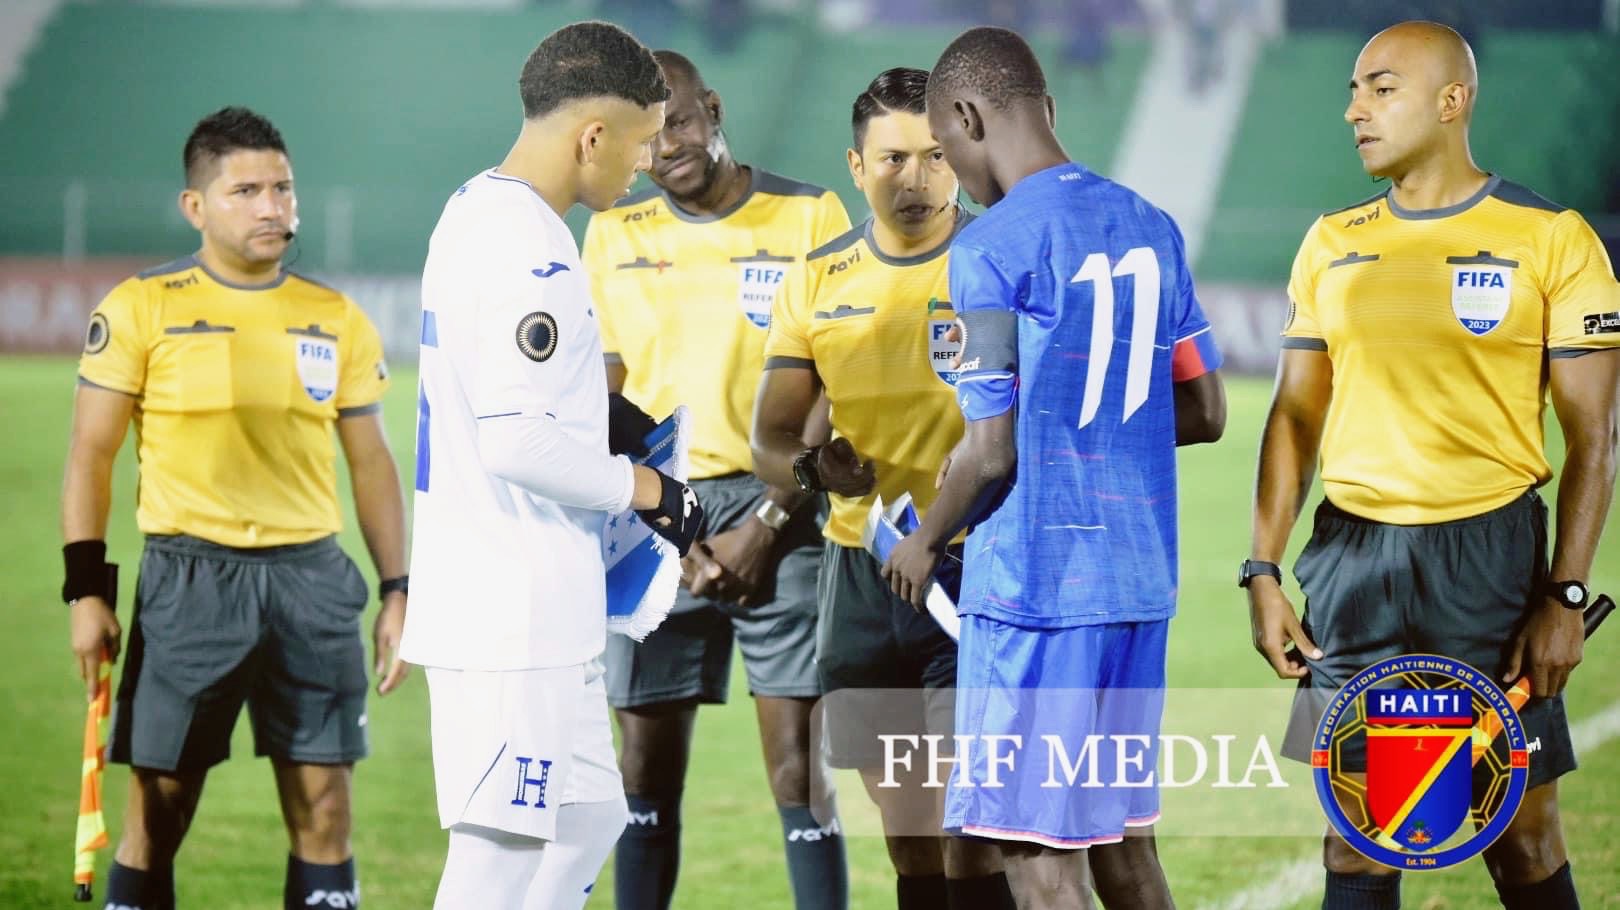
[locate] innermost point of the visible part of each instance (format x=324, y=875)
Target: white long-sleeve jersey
x=513, y=478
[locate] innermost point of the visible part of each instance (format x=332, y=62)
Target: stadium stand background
x=387, y=106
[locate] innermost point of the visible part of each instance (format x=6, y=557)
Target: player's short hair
x=899, y=89
x=994, y=63
x=589, y=60
x=222, y=132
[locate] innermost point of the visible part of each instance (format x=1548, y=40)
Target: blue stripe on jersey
x=1098, y=280
x=430, y=330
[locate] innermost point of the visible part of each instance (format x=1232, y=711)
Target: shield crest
x=317, y=366
x=758, y=282
x=1419, y=783
x=1480, y=295
x=942, y=352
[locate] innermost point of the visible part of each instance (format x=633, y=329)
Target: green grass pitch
x=732, y=858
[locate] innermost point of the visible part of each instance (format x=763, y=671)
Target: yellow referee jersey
x=684, y=301
x=873, y=328
x=1438, y=324
x=236, y=390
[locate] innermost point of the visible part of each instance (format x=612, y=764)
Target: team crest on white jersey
x=1480, y=295
x=759, y=278
x=941, y=351
x=317, y=366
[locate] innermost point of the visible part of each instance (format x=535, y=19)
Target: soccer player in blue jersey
x=1086, y=361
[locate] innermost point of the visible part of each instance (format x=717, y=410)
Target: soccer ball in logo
x=1439, y=786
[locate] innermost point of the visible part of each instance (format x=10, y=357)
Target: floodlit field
x=732, y=856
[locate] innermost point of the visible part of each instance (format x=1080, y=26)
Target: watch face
x=1574, y=594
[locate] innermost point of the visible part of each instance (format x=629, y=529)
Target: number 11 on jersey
x=1142, y=263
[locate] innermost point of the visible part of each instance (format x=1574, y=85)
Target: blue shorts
x=1080, y=708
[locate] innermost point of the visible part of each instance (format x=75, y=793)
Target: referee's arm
x=100, y=419
x=380, y=506
x=1584, y=391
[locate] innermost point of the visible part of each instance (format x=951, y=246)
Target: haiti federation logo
x=1445, y=756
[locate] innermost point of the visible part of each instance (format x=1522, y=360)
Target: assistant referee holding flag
x=1428, y=325
x=234, y=371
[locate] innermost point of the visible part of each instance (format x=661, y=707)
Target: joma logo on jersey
x=845, y=263
x=1363, y=219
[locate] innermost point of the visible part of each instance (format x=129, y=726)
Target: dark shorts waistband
x=733, y=480
x=1530, y=498
x=186, y=545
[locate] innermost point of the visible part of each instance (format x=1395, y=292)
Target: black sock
x=648, y=858
x=1555, y=892
x=815, y=860
x=920, y=892
x=140, y=889
x=1362, y=891
x=987, y=892
x=313, y=885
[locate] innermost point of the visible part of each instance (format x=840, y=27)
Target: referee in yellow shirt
x=1428, y=325
x=685, y=274
x=234, y=372
x=871, y=334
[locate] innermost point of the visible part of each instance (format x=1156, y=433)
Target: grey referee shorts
x=1460, y=589
x=886, y=668
x=689, y=655
x=214, y=626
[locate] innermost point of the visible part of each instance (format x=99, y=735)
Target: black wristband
x=400, y=583
x=805, y=471
x=84, y=570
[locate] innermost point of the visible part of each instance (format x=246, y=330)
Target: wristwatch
x=772, y=515
x=1572, y=594
x=805, y=471
x=1253, y=567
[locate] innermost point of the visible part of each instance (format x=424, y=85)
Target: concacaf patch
x=537, y=336
x=1481, y=289
x=317, y=366
x=97, y=336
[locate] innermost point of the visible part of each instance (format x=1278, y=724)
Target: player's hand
x=910, y=569
x=1275, y=627
x=628, y=427
x=747, y=554
x=1549, y=646
x=94, y=631
x=842, y=470
x=954, y=335
x=677, y=517
x=385, y=635
x=700, y=572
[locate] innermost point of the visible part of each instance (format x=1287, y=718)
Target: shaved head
x=677, y=66
x=1426, y=51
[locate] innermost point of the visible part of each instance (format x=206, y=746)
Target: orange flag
x=92, y=832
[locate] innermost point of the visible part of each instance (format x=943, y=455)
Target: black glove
x=678, y=515
x=628, y=427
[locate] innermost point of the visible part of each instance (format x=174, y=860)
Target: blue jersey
x=1079, y=312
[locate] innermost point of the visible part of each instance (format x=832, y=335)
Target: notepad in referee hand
x=885, y=527
x=643, y=569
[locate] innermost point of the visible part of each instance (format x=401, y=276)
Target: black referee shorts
x=1460, y=589
x=214, y=626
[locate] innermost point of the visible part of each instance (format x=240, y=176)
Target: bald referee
x=1427, y=326
x=234, y=372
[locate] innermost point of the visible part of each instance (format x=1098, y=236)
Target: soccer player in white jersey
x=514, y=486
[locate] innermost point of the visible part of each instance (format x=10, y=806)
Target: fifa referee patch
x=537, y=336
x=97, y=336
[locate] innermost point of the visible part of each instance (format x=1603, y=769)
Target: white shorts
x=509, y=747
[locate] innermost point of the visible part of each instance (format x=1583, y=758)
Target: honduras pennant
x=643, y=569
x=1419, y=766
